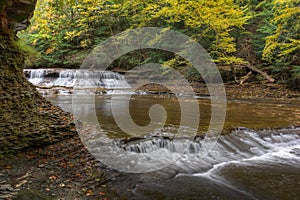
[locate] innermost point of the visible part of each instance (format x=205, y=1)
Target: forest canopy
x=264, y=34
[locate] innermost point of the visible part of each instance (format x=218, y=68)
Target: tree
x=64, y=31
x=61, y=25
x=61, y=29
x=209, y=22
x=283, y=45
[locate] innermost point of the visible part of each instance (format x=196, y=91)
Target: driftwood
x=244, y=78
x=264, y=74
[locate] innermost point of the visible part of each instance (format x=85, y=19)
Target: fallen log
x=264, y=74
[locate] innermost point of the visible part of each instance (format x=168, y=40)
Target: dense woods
x=261, y=35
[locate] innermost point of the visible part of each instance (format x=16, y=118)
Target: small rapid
x=245, y=164
x=183, y=146
x=249, y=146
x=187, y=155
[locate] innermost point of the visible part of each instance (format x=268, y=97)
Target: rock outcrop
x=26, y=119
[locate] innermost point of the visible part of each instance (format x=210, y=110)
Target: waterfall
x=71, y=78
x=36, y=76
x=66, y=78
x=241, y=146
x=108, y=80
x=184, y=146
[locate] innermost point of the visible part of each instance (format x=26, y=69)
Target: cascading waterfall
x=244, y=164
x=184, y=146
x=71, y=78
x=107, y=80
x=36, y=76
x=246, y=145
x=66, y=78
x=240, y=146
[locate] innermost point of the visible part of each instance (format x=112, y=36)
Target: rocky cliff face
x=15, y=14
x=26, y=119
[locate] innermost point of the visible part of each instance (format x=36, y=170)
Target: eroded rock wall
x=26, y=119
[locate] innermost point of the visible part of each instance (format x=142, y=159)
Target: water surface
x=258, y=157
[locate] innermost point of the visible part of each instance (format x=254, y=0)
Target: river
x=256, y=157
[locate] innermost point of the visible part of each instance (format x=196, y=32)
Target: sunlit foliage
x=64, y=31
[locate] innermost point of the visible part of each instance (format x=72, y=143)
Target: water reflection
x=249, y=114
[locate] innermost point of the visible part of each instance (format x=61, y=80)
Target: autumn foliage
x=63, y=31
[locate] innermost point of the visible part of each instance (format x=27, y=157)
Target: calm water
x=249, y=114
x=260, y=161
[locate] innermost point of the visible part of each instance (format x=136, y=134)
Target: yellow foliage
x=218, y=17
x=75, y=21
x=285, y=40
x=49, y=50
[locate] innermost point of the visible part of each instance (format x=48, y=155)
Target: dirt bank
x=64, y=170
x=254, y=91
